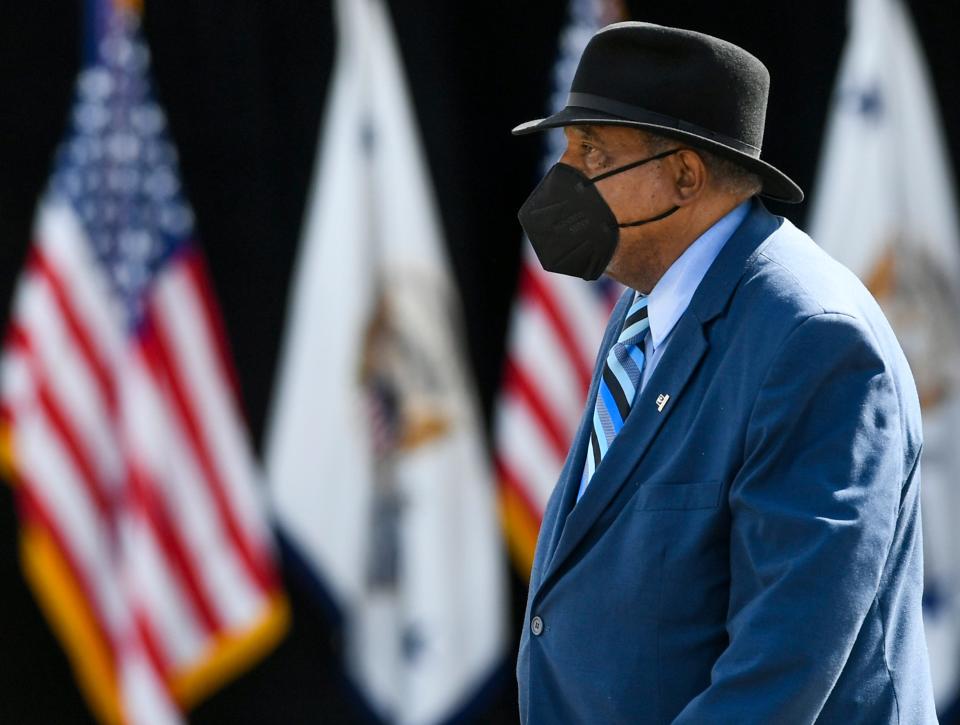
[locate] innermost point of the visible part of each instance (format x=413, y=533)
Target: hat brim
x=776, y=184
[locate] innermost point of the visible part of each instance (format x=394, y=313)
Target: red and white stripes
x=132, y=461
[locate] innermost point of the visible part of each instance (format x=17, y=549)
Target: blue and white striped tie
x=618, y=387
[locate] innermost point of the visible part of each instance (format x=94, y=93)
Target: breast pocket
x=678, y=496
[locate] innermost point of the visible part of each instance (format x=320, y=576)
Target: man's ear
x=690, y=176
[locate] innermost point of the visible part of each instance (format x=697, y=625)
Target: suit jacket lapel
x=569, y=481
x=638, y=432
x=687, y=347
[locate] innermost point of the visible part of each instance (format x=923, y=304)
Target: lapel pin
x=662, y=401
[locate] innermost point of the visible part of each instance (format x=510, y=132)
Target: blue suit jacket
x=752, y=552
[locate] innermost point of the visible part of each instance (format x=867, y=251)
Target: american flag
x=143, y=533
x=556, y=327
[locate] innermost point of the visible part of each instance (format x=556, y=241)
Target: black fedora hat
x=695, y=88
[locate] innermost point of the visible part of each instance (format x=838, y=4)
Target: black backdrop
x=244, y=85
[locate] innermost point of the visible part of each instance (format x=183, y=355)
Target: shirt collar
x=671, y=296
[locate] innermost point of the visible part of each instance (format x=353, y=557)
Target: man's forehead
x=583, y=131
x=607, y=133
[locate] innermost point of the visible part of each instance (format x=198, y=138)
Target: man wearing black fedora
x=735, y=536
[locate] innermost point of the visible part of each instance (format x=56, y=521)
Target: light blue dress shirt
x=669, y=299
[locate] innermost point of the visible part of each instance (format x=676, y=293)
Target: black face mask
x=571, y=227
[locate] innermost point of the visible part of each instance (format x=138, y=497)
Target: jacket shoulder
x=796, y=276
x=790, y=280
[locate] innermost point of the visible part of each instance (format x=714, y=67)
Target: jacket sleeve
x=813, y=513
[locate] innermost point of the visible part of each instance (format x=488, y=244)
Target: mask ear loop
x=651, y=219
x=632, y=165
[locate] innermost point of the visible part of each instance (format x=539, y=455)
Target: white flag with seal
x=885, y=207
x=378, y=471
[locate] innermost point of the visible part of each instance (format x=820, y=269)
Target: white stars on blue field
x=118, y=168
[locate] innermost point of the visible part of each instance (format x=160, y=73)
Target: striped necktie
x=618, y=387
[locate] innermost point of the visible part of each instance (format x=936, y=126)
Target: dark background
x=244, y=85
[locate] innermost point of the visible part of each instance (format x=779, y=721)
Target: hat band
x=642, y=115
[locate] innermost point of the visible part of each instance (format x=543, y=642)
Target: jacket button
x=536, y=626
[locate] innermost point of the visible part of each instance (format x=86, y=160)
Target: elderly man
x=735, y=537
